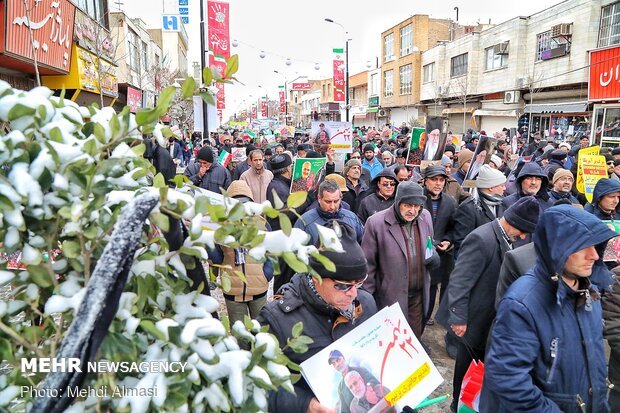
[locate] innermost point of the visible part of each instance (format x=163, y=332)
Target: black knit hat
x=616, y=150
x=369, y=147
x=523, y=214
x=434, y=170
x=280, y=161
x=558, y=154
x=206, y=154
x=350, y=264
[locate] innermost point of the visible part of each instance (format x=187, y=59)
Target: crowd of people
x=516, y=271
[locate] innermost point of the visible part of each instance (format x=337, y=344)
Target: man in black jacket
x=469, y=307
x=328, y=309
x=206, y=173
x=442, y=208
x=379, y=196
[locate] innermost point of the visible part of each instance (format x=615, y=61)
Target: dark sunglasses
x=344, y=287
x=388, y=184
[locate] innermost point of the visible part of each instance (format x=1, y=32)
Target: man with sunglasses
x=329, y=306
x=379, y=196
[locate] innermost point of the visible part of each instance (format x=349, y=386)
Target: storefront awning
x=502, y=113
x=452, y=111
x=372, y=110
x=359, y=116
x=564, y=107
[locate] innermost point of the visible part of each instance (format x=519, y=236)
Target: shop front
x=459, y=117
x=560, y=121
x=91, y=80
x=52, y=24
x=604, y=93
x=329, y=111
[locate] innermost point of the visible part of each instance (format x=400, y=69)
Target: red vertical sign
x=218, y=19
x=282, y=102
x=263, y=108
x=338, y=81
x=253, y=112
x=604, y=74
x=221, y=68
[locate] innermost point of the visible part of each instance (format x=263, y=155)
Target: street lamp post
x=346, y=67
x=285, y=98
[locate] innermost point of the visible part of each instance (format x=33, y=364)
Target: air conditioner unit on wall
x=512, y=96
x=382, y=113
x=441, y=90
x=564, y=29
x=501, y=48
x=523, y=82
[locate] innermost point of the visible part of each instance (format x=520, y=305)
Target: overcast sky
x=296, y=30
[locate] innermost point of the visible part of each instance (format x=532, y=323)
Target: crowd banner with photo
x=436, y=135
x=593, y=168
x=386, y=355
x=307, y=173
x=612, y=250
x=238, y=154
x=482, y=156
x=592, y=150
x=337, y=134
x=416, y=146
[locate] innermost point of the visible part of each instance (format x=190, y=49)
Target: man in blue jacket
x=605, y=199
x=546, y=352
x=370, y=161
x=329, y=208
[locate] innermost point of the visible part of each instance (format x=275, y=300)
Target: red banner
x=604, y=74
x=220, y=66
x=253, y=116
x=134, y=99
x=282, y=102
x=338, y=81
x=263, y=108
x=52, y=23
x=219, y=37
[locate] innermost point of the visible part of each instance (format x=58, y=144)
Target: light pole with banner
x=285, y=98
x=346, y=66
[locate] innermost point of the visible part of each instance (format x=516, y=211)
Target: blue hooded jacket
x=546, y=352
x=603, y=187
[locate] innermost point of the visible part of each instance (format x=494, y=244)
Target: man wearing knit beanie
x=206, y=173
x=562, y=182
x=464, y=161
x=395, y=244
x=356, y=185
x=469, y=306
x=335, y=296
x=483, y=206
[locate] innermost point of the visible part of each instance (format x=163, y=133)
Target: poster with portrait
x=307, y=173
x=485, y=148
x=238, y=154
x=337, y=134
x=387, y=367
x=612, y=250
x=428, y=144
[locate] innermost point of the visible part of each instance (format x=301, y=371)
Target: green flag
x=416, y=137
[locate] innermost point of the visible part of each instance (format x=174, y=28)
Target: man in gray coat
x=394, y=243
x=470, y=299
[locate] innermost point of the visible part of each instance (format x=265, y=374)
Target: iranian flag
x=224, y=158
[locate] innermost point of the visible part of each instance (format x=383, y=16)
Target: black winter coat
x=216, y=178
x=297, y=302
x=470, y=298
x=469, y=215
x=443, y=230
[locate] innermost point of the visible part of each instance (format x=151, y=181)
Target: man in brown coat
x=394, y=243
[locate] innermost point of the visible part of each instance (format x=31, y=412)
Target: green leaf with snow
x=298, y=328
x=71, y=248
x=20, y=110
x=149, y=327
x=326, y=262
x=293, y=262
x=159, y=181
x=296, y=199
x=285, y=224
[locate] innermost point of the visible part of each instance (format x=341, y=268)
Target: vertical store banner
x=253, y=116
x=282, y=102
x=263, y=108
x=52, y=23
x=218, y=40
x=220, y=66
x=338, y=80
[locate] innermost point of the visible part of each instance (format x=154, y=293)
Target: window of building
x=428, y=73
x=132, y=47
x=458, y=65
x=406, y=40
x=496, y=56
x=96, y=9
x=405, y=79
x=388, y=83
x=374, y=84
x=388, y=47
x=609, y=32
x=549, y=47
x=144, y=61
